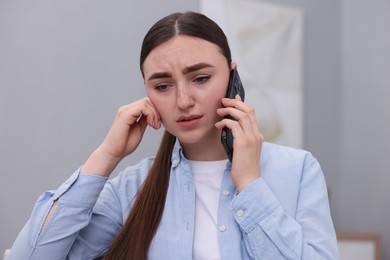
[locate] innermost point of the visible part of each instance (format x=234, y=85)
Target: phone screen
x=234, y=87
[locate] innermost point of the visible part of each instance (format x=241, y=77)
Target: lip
x=189, y=121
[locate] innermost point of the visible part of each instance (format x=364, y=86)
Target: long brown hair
x=137, y=233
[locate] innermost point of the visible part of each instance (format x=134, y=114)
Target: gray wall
x=364, y=194
x=347, y=93
x=65, y=68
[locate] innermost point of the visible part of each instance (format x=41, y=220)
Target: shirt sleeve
x=76, y=200
x=270, y=233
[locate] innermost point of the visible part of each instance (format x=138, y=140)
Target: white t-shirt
x=207, y=176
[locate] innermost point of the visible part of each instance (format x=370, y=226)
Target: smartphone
x=234, y=87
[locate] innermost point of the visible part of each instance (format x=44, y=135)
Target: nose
x=184, y=97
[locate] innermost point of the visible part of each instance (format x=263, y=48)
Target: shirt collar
x=178, y=155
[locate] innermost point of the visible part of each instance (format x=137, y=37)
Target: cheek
x=216, y=101
x=220, y=93
x=161, y=106
x=223, y=86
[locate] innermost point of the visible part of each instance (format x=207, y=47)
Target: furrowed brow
x=189, y=69
x=160, y=75
x=196, y=67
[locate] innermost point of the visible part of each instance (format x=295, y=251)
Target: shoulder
x=140, y=168
x=284, y=155
x=281, y=164
x=132, y=177
x=119, y=191
x=289, y=172
x=282, y=149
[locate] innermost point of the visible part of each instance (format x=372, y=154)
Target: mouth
x=188, y=118
x=188, y=121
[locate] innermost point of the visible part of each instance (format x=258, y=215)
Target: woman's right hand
x=124, y=136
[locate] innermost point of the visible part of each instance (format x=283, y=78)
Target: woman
x=189, y=202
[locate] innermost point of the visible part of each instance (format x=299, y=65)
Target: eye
x=162, y=87
x=202, y=79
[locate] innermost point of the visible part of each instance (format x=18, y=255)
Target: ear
x=234, y=65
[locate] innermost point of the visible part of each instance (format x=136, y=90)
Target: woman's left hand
x=247, y=142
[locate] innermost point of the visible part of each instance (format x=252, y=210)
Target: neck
x=204, y=151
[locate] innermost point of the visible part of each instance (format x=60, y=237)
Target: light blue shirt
x=282, y=215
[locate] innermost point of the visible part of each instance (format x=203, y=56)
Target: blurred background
x=66, y=67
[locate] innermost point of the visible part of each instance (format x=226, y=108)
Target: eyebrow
x=196, y=67
x=160, y=75
x=186, y=70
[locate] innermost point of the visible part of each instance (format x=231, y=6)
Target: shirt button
x=226, y=192
x=174, y=162
x=66, y=185
x=222, y=228
x=240, y=213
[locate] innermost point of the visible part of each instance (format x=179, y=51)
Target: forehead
x=182, y=51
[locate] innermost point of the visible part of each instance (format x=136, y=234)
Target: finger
x=235, y=103
x=132, y=113
x=238, y=104
x=254, y=123
x=152, y=115
x=239, y=137
x=245, y=131
x=242, y=117
x=143, y=123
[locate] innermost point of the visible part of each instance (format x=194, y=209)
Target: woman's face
x=186, y=78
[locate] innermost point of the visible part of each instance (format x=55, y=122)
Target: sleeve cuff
x=254, y=204
x=80, y=189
